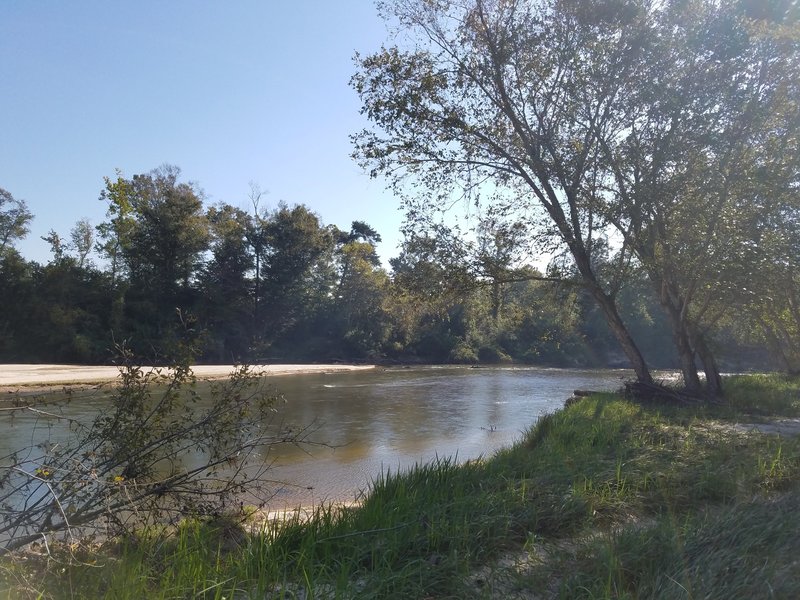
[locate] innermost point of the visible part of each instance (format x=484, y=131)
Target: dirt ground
x=784, y=427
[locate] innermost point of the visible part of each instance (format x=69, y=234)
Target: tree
x=706, y=144
x=17, y=296
x=507, y=99
x=158, y=232
x=675, y=122
x=57, y=246
x=169, y=233
x=82, y=240
x=360, y=233
x=430, y=300
x=295, y=243
x=152, y=456
x=115, y=232
x=357, y=311
x=497, y=244
x=69, y=316
x=256, y=237
x=543, y=322
x=225, y=284
x=766, y=282
x=363, y=232
x=14, y=219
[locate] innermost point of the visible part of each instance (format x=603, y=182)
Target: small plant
x=154, y=456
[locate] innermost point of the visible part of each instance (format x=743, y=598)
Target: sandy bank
x=20, y=375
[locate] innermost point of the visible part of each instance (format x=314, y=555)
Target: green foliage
x=226, y=304
x=721, y=156
x=280, y=285
x=672, y=127
x=58, y=312
x=504, y=105
x=359, y=318
x=14, y=220
x=17, y=293
x=156, y=236
x=295, y=244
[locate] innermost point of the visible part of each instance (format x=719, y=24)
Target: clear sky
x=229, y=91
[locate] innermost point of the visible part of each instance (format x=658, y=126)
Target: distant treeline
x=279, y=285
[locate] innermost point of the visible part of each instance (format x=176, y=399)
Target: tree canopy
x=647, y=149
x=664, y=125
x=14, y=219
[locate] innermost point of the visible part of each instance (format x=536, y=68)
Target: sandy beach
x=32, y=376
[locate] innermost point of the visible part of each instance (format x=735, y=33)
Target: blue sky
x=231, y=92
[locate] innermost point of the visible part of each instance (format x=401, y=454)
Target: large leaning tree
x=505, y=100
x=701, y=176
x=657, y=120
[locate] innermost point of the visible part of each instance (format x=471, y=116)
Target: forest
x=279, y=286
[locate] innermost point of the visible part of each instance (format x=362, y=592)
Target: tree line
x=279, y=285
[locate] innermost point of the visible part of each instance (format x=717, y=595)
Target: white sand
x=32, y=375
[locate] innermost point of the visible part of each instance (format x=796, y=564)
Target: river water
x=390, y=419
x=366, y=422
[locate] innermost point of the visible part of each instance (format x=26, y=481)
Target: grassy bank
x=604, y=499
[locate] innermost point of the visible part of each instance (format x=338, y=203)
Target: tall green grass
x=746, y=550
x=605, y=499
x=771, y=395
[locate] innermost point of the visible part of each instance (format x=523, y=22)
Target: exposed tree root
x=658, y=393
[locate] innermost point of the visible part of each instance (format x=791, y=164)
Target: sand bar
x=46, y=375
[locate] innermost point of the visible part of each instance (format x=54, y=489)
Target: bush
x=155, y=456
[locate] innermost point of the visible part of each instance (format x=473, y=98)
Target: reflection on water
x=366, y=422
x=390, y=419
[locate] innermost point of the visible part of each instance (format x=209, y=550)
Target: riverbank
x=604, y=499
x=36, y=377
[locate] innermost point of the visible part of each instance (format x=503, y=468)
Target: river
x=366, y=422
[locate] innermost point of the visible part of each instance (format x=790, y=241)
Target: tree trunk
x=256, y=319
x=622, y=334
x=691, y=380
x=609, y=307
x=671, y=304
x=496, y=300
x=713, y=378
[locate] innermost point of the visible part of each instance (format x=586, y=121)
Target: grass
x=743, y=550
x=764, y=395
x=605, y=499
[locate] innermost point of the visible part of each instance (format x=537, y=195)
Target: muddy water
x=366, y=422
x=391, y=419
